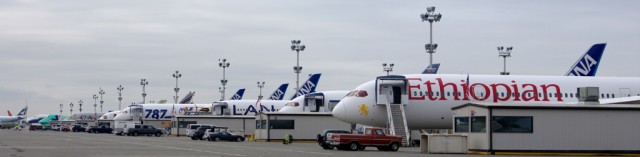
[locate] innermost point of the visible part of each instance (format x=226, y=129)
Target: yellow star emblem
x=364, y=111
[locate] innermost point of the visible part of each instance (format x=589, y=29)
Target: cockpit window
x=292, y=104
x=358, y=93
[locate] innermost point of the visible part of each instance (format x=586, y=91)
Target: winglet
x=279, y=93
x=9, y=113
x=308, y=87
x=238, y=95
x=587, y=65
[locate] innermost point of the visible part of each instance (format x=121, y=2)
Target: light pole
x=295, y=46
x=224, y=64
x=260, y=85
x=120, y=88
x=430, y=16
x=387, y=68
x=504, y=53
x=95, y=103
x=80, y=104
x=144, y=83
x=70, y=110
x=101, y=100
x=176, y=75
x=60, y=111
x=221, y=93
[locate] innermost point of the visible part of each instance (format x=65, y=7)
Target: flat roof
x=213, y=116
x=549, y=105
x=299, y=113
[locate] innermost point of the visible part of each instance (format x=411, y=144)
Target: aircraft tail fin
x=279, y=93
x=587, y=65
x=238, y=95
x=187, y=98
x=9, y=113
x=428, y=70
x=23, y=112
x=307, y=87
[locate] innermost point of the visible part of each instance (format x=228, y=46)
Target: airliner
x=428, y=98
x=166, y=111
x=11, y=118
x=36, y=118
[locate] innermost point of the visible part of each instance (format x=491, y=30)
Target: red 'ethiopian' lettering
x=475, y=90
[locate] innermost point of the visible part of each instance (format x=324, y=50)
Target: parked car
x=372, y=137
x=227, y=136
x=199, y=132
x=213, y=130
x=33, y=127
x=192, y=127
x=139, y=130
x=55, y=127
x=65, y=128
x=322, y=137
x=100, y=129
x=77, y=128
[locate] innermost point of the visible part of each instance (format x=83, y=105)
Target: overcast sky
x=63, y=51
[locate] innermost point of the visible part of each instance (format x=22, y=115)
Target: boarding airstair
x=398, y=122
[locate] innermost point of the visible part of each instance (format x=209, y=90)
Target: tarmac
x=24, y=143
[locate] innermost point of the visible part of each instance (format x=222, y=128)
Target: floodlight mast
x=295, y=46
x=430, y=16
x=504, y=53
x=388, y=68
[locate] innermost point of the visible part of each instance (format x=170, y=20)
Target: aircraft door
x=392, y=91
x=220, y=108
x=314, y=102
x=136, y=112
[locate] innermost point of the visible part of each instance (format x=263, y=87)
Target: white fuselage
x=109, y=115
x=325, y=101
x=6, y=119
x=157, y=111
x=433, y=111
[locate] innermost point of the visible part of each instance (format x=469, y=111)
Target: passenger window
x=602, y=95
x=379, y=132
x=613, y=95
x=448, y=93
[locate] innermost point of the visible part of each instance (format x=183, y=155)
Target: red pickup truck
x=371, y=137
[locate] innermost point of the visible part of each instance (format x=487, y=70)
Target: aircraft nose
x=340, y=112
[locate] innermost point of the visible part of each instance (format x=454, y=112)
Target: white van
x=192, y=127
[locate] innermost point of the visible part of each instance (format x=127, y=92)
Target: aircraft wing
x=622, y=100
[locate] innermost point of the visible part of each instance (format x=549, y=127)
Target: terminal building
x=534, y=128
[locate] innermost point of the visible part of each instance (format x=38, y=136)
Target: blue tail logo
x=238, y=95
x=436, y=66
x=308, y=87
x=22, y=112
x=279, y=93
x=587, y=65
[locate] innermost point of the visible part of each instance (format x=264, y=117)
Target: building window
x=478, y=124
x=512, y=124
x=281, y=124
x=462, y=124
x=261, y=124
